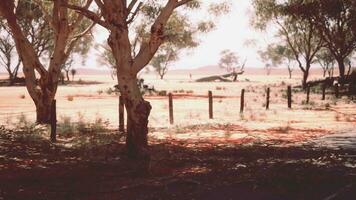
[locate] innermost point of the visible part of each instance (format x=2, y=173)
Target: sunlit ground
x=275, y=154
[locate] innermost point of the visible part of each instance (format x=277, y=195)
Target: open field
x=191, y=107
x=307, y=152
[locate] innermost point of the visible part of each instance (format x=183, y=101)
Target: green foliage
x=276, y=53
x=67, y=128
x=334, y=20
x=23, y=125
x=179, y=35
x=228, y=60
x=180, y=32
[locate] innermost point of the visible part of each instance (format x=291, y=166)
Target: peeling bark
x=138, y=111
x=43, y=91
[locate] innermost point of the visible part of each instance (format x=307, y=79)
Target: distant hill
x=208, y=70
x=215, y=70
x=89, y=71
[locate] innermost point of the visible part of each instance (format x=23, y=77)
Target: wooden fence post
x=308, y=94
x=267, y=98
x=289, y=94
x=121, y=115
x=337, y=90
x=242, y=102
x=210, y=94
x=323, y=91
x=170, y=104
x=53, y=121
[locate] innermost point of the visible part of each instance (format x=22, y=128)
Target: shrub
x=109, y=91
x=100, y=92
x=70, y=98
x=220, y=88
x=66, y=127
x=27, y=128
x=162, y=93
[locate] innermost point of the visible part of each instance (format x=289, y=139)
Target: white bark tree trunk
x=43, y=91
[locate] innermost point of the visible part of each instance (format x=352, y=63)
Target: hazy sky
x=232, y=32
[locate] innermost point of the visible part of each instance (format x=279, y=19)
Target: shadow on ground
x=36, y=169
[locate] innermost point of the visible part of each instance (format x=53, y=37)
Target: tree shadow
x=37, y=169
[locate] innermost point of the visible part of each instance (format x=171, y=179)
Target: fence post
x=210, y=94
x=308, y=94
x=242, y=102
x=337, y=90
x=121, y=115
x=323, y=90
x=53, y=121
x=289, y=94
x=170, y=104
x=267, y=98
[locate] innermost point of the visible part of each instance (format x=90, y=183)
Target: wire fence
x=178, y=109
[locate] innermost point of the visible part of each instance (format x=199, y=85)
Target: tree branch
x=148, y=49
x=129, y=21
x=89, y=14
x=47, y=17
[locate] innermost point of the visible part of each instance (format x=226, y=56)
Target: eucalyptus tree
x=272, y=56
x=66, y=30
x=119, y=18
x=180, y=35
x=335, y=21
x=228, y=60
x=8, y=58
x=35, y=29
x=326, y=61
x=300, y=34
x=278, y=54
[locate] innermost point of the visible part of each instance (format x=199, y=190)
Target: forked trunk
x=43, y=111
x=43, y=103
x=138, y=111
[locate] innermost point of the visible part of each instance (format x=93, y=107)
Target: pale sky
x=232, y=32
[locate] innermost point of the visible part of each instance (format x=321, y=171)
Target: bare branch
x=129, y=21
x=89, y=14
x=182, y=2
x=76, y=38
x=79, y=19
x=131, y=6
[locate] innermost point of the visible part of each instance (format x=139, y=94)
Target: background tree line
x=311, y=31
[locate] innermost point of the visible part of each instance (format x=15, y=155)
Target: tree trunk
x=340, y=62
x=235, y=77
x=43, y=111
x=305, y=79
x=67, y=75
x=138, y=111
x=11, y=79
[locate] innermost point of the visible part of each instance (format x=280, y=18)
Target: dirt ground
x=279, y=153
x=178, y=169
